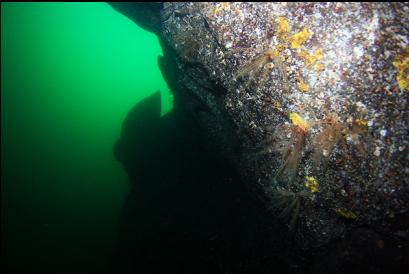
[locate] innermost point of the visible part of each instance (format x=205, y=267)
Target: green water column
x=69, y=74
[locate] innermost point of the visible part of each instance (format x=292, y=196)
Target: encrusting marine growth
x=318, y=138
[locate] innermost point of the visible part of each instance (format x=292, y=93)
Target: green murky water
x=69, y=74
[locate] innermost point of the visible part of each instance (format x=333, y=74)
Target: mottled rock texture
x=309, y=101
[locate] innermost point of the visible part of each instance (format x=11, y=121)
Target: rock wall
x=309, y=101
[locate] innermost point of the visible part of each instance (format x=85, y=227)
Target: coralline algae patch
x=283, y=26
x=298, y=121
x=312, y=184
x=401, y=63
x=299, y=38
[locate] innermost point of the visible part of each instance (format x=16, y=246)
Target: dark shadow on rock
x=363, y=250
x=187, y=211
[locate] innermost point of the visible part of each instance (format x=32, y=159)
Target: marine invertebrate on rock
x=303, y=86
x=283, y=26
x=293, y=151
x=298, y=121
x=335, y=133
x=358, y=128
x=254, y=66
x=311, y=184
x=361, y=123
x=327, y=139
x=288, y=204
x=262, y=65
x=289, y=141
x=346, y=213
x=299, y=38
x=311, y=58
x=271, y=60
x=401, y=63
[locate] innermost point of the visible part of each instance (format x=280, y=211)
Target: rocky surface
x=309, y=101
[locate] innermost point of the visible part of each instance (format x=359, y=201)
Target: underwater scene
x=209, y=137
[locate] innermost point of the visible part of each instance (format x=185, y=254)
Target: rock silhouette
x=252, y=76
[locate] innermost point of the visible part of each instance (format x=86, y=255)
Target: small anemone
x=325, y=142
x=334, y=133
x=290, y=149
x=288, y=203
x=291, y=155
x=261, y=67
x=253, y=67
